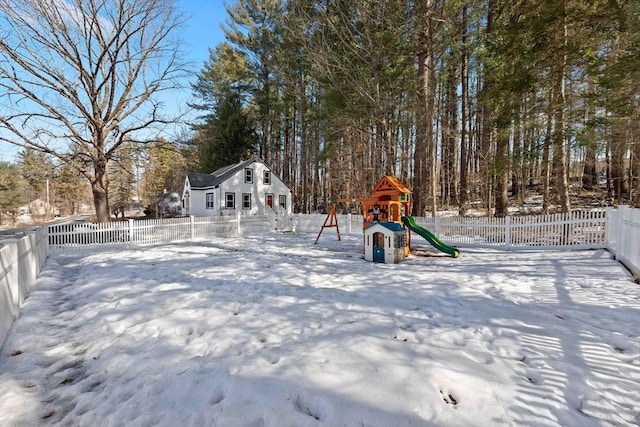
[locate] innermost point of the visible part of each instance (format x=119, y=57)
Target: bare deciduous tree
x=78, y=78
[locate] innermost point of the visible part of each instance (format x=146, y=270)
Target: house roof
x=393, y=226
x=204, y=180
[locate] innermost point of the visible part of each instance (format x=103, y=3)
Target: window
x=270, y=200
x=266, y=178
x=246, y=201
x=282, y=202
x=230, y=200
x=209, y=197
x=248, y=176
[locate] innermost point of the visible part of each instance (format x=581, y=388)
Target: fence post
x=507, y=232
x=239, y=230
x=608, y=228
x=11, y=267
x=436, y=225
x=130, y=231
x=349, y=223
x=619, y=228
x=9, y=291
x=192, y=226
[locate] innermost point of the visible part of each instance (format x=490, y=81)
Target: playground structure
x=389, y=202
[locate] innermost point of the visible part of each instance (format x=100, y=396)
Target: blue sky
x=201, y=31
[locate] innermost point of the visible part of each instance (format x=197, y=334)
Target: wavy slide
x=410, y=222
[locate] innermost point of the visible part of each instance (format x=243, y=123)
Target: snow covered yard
x=276, y=331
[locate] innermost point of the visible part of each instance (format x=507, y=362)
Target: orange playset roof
x=390, y=185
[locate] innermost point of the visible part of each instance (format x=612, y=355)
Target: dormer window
x=248, y=176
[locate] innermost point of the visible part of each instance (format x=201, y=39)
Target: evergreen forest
x=480, y=107
x=473, y=104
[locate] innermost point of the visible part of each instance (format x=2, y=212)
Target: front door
x=378, y=247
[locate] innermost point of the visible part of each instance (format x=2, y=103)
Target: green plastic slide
x=410, y=222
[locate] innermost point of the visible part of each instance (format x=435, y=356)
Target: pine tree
x=164, y=170
x=12, y=194
x=227, y=138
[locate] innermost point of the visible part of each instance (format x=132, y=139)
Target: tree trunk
x=424, y=153
x=546, y=169
x=464, y=161
x=518, y=173
x=486, y=126
x=559, y=143
x=485, y=154
x=100, y=190
x=449, y=139
x=589, y=171
x=501, y=164
x=618, y=151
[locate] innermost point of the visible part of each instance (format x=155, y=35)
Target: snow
x=276, y=331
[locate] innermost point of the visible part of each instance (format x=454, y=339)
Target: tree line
x=139, y=177
x=473, y=104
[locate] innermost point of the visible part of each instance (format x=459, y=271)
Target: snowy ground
x=276, y=331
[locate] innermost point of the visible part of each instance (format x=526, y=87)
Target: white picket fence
x=577, y=230
x=21, y=259
x=615, y=230
x=87, y=236
x=623, y=237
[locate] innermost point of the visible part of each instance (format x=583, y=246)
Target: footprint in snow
x=448, y=398
x=317, y=408
x=271, y=357
x=533, y=376
x=619, y=343
x=532, y=371
x=406, y=336
x=216, y=397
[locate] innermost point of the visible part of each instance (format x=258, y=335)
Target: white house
x=248, y=187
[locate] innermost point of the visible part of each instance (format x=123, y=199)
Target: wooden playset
x=387, y=222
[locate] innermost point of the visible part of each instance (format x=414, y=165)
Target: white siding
x=236, y=184
x=198, y=203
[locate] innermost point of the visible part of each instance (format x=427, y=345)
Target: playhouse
x=385, y=242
